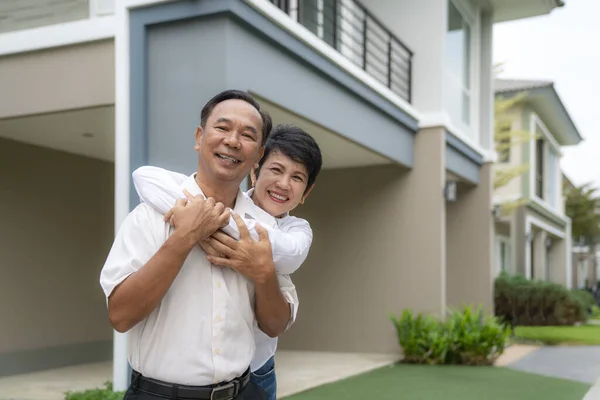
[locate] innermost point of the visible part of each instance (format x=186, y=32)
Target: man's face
x=230, y=143
x=280, y=185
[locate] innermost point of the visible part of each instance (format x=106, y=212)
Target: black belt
x=220, y=391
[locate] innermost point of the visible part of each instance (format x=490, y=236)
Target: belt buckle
x=223, y=392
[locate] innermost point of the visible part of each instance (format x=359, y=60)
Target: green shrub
x=595, y=312
x=519, y=301
x=465, y=337
x=96, y=394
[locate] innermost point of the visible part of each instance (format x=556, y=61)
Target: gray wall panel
x=186, y=67
x=258, y=65
x=462, y=166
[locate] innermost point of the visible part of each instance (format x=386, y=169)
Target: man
x=190, y=322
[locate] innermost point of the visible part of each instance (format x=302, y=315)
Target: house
x=398, y=93
x=534, y=239
x=585, y=263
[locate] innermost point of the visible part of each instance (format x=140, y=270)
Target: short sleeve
x=134, y=245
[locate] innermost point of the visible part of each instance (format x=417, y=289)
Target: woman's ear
x=253, y=175
x=305, y=195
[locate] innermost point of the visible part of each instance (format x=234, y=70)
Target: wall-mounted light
x=450, y=191
x=548, y=242
x=497, y=211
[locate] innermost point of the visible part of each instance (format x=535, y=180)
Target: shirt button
x=219, y=319
x=217, y=352
x=218, y=285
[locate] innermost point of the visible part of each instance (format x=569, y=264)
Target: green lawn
x=553, y=335
x=418, y=382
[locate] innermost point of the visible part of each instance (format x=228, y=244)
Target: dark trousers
x=250, y=392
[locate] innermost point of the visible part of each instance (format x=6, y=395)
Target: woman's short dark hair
x=237, y=95
x=296, y=144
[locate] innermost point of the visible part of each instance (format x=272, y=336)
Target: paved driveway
x=296, y=371
x=577, y=363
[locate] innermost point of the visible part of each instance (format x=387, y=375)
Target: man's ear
x=305, y=195
x=261, y=153
x=198, y=138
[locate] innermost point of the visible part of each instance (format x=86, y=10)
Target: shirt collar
x=244, y=206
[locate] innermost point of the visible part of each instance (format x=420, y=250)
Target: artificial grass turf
x=422, y=382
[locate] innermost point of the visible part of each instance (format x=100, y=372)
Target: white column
x=122, y=169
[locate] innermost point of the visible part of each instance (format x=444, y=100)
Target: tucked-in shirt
x=203, y=330
x=291, y=237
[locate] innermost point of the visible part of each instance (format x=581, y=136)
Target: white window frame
x=472, y=16
x=550, y=144
x=99, y=8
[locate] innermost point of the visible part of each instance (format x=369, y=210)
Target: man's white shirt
x=203, y=331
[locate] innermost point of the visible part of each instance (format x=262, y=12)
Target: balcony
x=352, y=30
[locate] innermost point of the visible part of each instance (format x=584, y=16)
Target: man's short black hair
x=296, y=144
x=237, y=95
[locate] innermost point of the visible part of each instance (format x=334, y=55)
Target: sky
x=563, y=47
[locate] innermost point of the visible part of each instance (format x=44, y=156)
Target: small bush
x=96, y=394
x=519, y=301
x=465, y=337
x=595, y=312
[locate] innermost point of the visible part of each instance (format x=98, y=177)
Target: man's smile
x=228, y=158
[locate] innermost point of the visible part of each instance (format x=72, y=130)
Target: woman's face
x=280, y=185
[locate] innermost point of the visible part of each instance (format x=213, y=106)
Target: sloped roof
x=547, y=103
x=511, y=85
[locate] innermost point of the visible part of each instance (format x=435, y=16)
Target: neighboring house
x=585, y=267
x=399, y=94
x=535, y=239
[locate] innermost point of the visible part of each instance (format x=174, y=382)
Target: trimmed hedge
x=465, y=337
x=519, y=301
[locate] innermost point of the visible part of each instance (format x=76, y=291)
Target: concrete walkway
x=577, y=363
x=296, y=371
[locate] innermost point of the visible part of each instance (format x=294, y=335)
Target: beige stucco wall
x=64, y=78
x=56, y=230
x=469, y=244
x=378, y=248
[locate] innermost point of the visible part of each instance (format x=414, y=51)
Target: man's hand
x=251, y=258
x=197, y=218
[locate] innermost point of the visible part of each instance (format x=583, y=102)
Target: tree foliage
x=506, y=138
x=582, y=205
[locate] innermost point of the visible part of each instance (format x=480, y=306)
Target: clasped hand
x=252, y=258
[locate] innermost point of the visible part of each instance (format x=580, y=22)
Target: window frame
x=471, y=17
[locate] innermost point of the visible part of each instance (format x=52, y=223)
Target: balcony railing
x=352, y=30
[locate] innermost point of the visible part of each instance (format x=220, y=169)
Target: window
x=458, y=65
x=503, y=254
x=553, y=179
x=548, y=255
x=539, y=168
x=320, y=17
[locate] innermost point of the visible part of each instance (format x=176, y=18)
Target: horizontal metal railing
x=351, y=29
